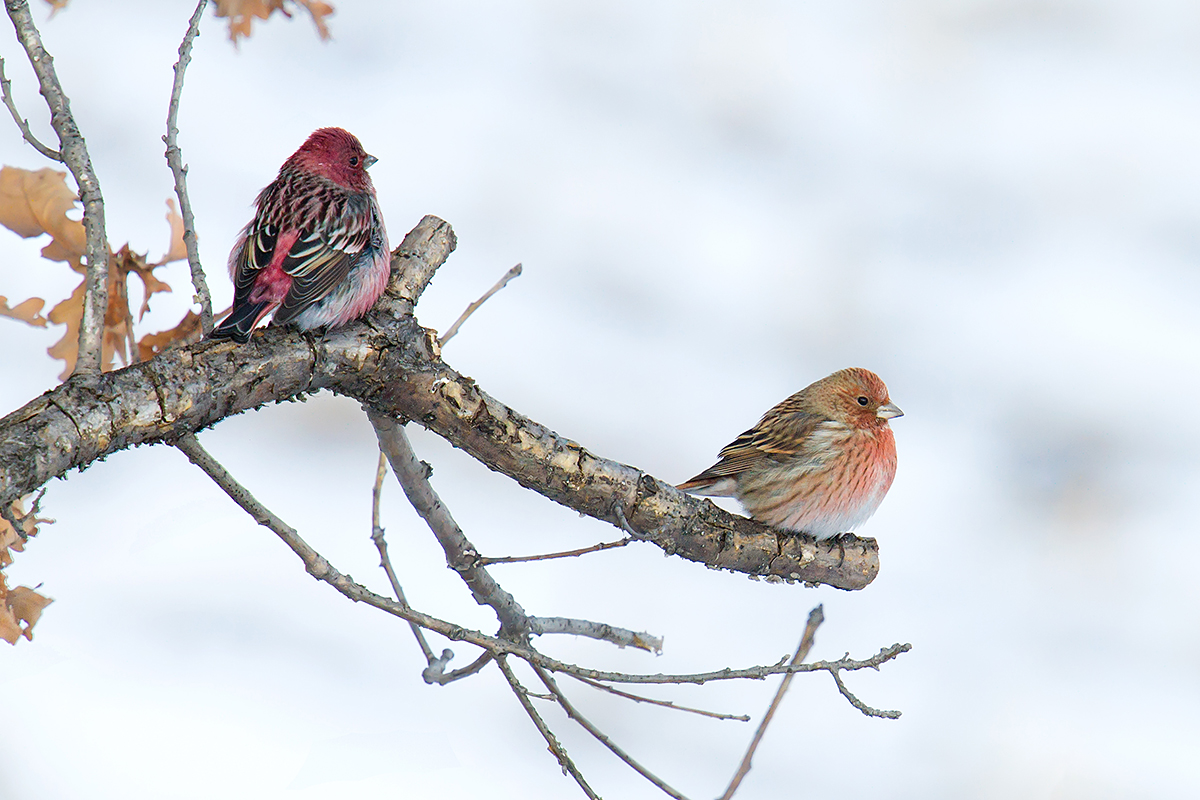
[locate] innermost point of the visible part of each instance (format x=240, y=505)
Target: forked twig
x=602, y=737
x=815, y=618
x=22, y=123
x=555, y=747
x=385, y=562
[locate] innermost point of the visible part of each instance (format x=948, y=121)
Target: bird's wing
x=782, y=435
x=251, y=255
x=323, y=256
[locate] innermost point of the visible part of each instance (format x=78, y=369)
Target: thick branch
x=461, y=556
x=74, y=154
x=392, y=364
x=179, y=170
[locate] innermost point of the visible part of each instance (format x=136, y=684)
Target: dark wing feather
x=321, y=259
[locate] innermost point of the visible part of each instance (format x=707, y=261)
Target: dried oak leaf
x=18, y=605
x=10, y=538
x=37, y=202
x=186, y=332
x=26, y=311
x=177, y=251
x=241, y=14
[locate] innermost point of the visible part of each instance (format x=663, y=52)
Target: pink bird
x=316, y=253
x=819, y=463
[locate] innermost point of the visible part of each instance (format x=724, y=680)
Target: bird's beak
x=889, y=410
x=368, y=161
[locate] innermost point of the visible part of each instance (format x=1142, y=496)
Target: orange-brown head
x=853, y=396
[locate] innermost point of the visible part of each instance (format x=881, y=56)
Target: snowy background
x=995, y=205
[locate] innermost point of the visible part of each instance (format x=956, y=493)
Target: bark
x=392, y=364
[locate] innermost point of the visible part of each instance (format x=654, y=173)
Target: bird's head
x=335, y=154
x=855, y=396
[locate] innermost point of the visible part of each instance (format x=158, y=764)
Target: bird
x=316, y=253
x=818, y=463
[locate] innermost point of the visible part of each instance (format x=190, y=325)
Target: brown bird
x=819, y=463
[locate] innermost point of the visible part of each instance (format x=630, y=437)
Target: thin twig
x=500, y=284
x=75, y=155
x=815, y=618
x=385, y=562
x=434, y=672
x=859, y=704
x=22, y=123
x=461, y=556
x=596, y=630
x=555, y=747
x=602, y=737
x=131, y=348
x=637, y=698
x=484, y=560
x=179, y=170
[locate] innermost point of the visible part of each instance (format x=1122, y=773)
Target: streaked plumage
x=316, y=253
x=820, y=462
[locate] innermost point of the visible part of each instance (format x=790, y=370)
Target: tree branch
x=461, y=556
x=815, y=618
x=471, y=309
x=392, y=364
x=179, y=170
x=75, y=155
x=596, y=630
x=22, y=123
x=317, y=566
x=377, y=537
x=555, y=747
x=602, y=737
x=485, y=560
x=637, y=698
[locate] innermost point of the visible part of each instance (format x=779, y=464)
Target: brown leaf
x=178, y=250
x=33, y=203
x=185, y=332
x=27, y=606
x=69, y=312
x=10, y=629
x=125, y=262
x=10, y=539
x=26, y=311
x=319, y=12
x=241, y=14
x=21, y=604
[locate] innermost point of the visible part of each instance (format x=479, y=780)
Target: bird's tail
x=711, y=485
x=241, y=322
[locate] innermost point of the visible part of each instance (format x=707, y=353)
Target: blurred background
x=993, y=204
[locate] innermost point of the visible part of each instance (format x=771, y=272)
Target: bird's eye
x=354, y=161
x=862, y=401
